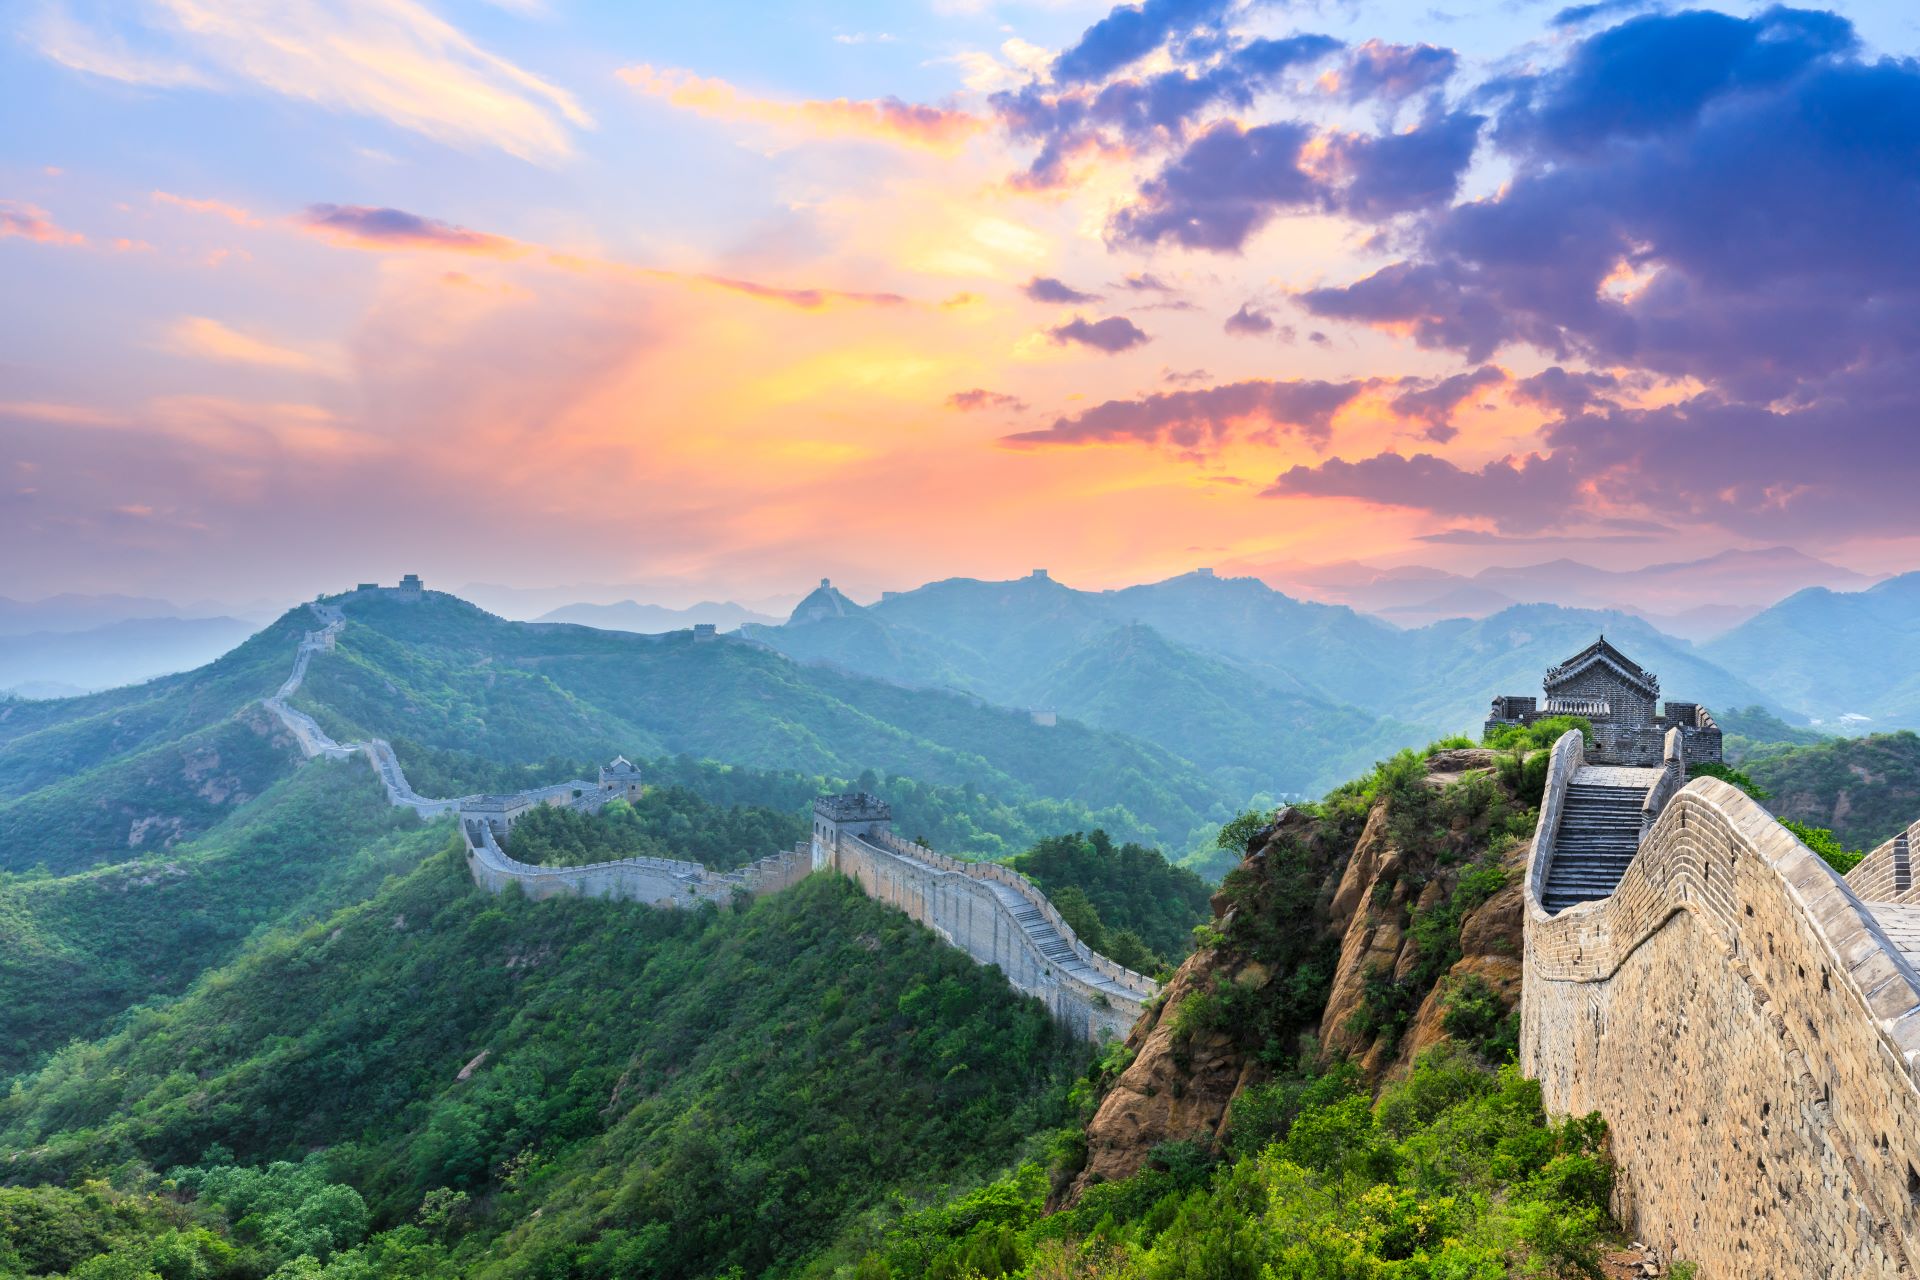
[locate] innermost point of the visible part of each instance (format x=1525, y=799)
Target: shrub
x=1539, y=735
x=1477, y=1017
x=1826, y=844
x=1727, y=773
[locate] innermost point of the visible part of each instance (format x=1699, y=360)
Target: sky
x=723, y=298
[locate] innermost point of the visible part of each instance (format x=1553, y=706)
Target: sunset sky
x=725, y=297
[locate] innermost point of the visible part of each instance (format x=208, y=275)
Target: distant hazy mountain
x=1834, y=654
x=59, y=663
x=1264, y=691
x=1695, y=598
x=71, y=612
x=525, y=604
x=652, y=619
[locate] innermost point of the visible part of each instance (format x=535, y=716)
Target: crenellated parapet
x=991, y=912
x=1886, y=874
x=1749, y=1028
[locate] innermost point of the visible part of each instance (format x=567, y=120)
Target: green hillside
x=444, y=675
x=1255, y=738
x=1864, y=789
x=100, y=778
x=80, y=949
x=609, y=1089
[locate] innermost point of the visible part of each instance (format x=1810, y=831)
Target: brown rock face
x=1170, y=1091
x=1180, y=1088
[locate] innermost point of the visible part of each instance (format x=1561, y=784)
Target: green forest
x=261, y=1024
x=584, y=1088
x=664, y=822
x=1125, y=900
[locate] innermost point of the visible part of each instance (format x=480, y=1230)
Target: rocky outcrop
x=1177, y=1087
x=1337, y=893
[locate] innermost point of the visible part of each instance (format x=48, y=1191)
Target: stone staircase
x=1599, y=835
x=1047, y=940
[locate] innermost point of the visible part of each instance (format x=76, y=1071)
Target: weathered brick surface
x=972, y=905
x=1739, y=1017
x=1886, y=874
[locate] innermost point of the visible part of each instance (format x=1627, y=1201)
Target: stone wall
x=957, y=900
x=1749, y=1033
x=660, y=882
x=1886, y=874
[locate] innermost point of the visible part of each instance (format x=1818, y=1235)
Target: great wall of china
x=1746, y=1019
x=988, y=911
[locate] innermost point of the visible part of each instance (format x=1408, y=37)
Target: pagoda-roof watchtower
x=1621, y=699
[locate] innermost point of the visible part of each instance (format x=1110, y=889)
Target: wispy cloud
x=218, y=208
x=206, y=338
x=397, y=231
x=880, y=119
x=392, y=59
x=31, y=222
x=362, y=227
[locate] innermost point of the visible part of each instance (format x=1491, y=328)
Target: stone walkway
x=1055, y=948
x=1901, y=923
x=1615, y=775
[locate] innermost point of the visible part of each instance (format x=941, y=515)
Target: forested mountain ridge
x=1834, y=654
x=438, y=1083
x=443, y=674
x=97, y=778
x=1332, y=687
x=614, y=1086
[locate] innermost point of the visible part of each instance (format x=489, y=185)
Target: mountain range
x=62, y=663
x=1263, y=691
x=1693, y=599
x=651, y=619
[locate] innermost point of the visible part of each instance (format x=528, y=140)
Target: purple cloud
x=1377, y=71
x=1434, y=403
x=1841, y=465
x=1721, y=195
x=1528, y=493
x=1199, y=421
x=1231, y=181
x=1129, y=33
x=1249, y=322
x=1048, y=289
x=1111, y=335
x=1391, y=173
x=1563, y=392
x=981, y=398
x=1228, y=184
x=1149, y=111
x=398, y=229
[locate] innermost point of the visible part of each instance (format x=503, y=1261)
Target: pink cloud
x=33, y=223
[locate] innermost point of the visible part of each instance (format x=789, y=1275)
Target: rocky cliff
x=1368, y=927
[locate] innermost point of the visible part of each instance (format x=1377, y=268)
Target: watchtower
x=620, y=776
x=1621, y=699
x=859, y=814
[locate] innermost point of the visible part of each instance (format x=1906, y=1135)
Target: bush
x=1539, y=735
x=1826, y=844
x=1727, y=773
x=1454, y=1173
x=1477, y=1017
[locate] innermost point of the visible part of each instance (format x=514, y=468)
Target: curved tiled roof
x=1602, y=654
